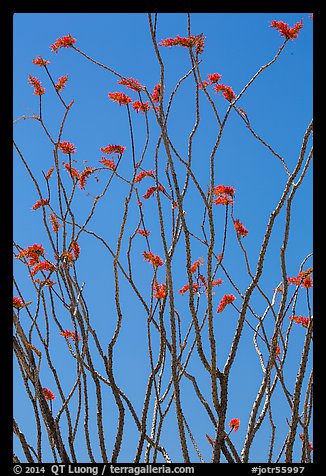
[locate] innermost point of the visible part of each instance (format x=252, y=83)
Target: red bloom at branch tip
x=160, y=290
x=67, y=147
x=48, y=394
x=108, y=163
x=226, y=299
x=61, y=83
x=40, y=61
x=120, y=98
x=36, y=83
x=151, y=258
x=234, y=424
x=196, y=265
x=63, y=42
x=307, y=282
x=186, y=287
x=239, y=228
x=303, y=279
x=49, y=173
x=214, y=78
x=42, y=266
x=113, y=149
x=54, y=223
x=285, y=30
x=157, y=93
x=143, y=174
x=141, y=106
x=223, y=200
x=227, y=91
x=75, y=249
x=131, y=83
x=187, y=42
x=83, y=176
x=143, y=232
x=151, y=190
x=39, y=203
x=218, y=282
x=33, y=252
x=18, y=303
x=224, y=190
x=72, y=171
x=304, y=321
x=70, y=335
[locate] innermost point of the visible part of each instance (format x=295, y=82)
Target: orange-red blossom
x=285, y=30
x=48, y=394
x=151, y=258
x=226, y=299
x=234, y=424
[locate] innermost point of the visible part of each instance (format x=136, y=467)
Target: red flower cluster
x=83, y=176
x=151, y=190
x=108, y=163
x=39, y=203
x=48, y=394
x=211, y=79
x=68, y=257
x=226, y=299
x=36, y=83
x=141, y=106
x=70, y=334
x=143, y=232
x=18, y=303
x=42, y=266
x=33, y=253
x=40, y=61
x=67, y=147
x=120, y=98
x=303, y=279
x=304, y=321
x=160, y=290
x=185, y=288
x=54, y=222
x=113, y=149
x=197, y=287
x=187, y=42
x=239, y=228
x=64, y=42
x=72, y=171
x=157, y=93
x=234, y=424
x=75, y=249
x=217, y=283
x=196, y=265
x=151, y=258
x=61, y=83
x=227, y=91
x=49, y=173
x=224, y=194
x=285, y=30
x=143, y=174
x=131, y=83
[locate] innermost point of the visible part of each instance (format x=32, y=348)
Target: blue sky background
x=279, y=106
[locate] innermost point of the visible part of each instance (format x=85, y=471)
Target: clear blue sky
x=279, y=106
